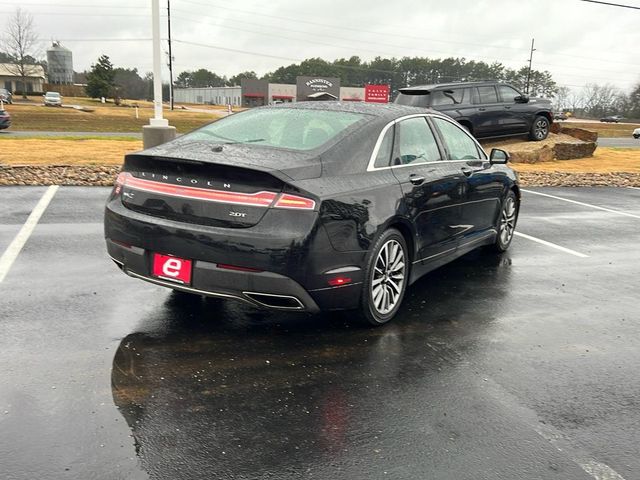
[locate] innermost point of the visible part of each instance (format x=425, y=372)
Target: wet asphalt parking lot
x=523, y=366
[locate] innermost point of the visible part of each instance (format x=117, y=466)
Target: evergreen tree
x=101, y=79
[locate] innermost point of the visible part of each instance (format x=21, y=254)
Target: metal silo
x=60, y=64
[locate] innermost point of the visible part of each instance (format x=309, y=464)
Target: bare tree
x=19, y=44
x=598, y=100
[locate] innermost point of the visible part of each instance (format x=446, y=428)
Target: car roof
x=380, y=110
x=440, y=86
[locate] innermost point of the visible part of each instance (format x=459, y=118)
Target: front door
x=432, y=189
x=483, y=183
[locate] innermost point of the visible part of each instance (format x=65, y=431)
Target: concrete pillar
x=152, y=135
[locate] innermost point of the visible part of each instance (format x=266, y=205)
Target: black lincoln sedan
x=310, y=206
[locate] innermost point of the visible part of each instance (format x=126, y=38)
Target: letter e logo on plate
x=171, y=268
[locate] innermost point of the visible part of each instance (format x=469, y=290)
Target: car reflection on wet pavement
x=222, y=388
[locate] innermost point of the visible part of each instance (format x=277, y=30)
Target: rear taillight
x=295, y=202
x=258, y=199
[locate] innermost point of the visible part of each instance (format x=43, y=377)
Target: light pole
x=158, y=131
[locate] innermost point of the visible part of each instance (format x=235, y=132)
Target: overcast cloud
x=577, y=42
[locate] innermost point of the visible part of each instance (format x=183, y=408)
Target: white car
x=636, y=133
x=53, y=99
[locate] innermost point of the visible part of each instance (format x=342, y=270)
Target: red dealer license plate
x=172, y=268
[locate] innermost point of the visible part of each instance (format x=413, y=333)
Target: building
x=209, y=95
x=11, y=80
x=59, y=64
x=253, y=92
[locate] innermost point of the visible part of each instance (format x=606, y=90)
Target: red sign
x=172, y=268
x=376, y=93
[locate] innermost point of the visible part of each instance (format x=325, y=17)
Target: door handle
x=507, y=107
x=416, y=179
x=467, y=171
x=481, y=109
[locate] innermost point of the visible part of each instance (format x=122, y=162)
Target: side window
x=488, y=94
x=507, y=93
x=415, y=142
x=459, y=145
x=383, y=158
x=447, y=97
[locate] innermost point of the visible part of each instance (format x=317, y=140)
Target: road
x=619, y=142
x=523, y=366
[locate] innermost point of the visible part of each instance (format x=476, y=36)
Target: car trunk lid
x=197, y=185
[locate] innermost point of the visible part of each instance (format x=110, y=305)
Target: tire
x=539, y=128
x=385, y=281
x=506, y=222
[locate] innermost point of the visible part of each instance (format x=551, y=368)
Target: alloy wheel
x=541, y=129
x=508, y=220
x=388, y=277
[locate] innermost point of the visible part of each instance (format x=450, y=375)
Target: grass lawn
x=107, y=118
x=611, y=130
x=604, y=160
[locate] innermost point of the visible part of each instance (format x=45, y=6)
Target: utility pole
x=170, y=55
x=530, y=60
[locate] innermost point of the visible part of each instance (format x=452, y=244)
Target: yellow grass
x=101, y=119
x=52, y=151
x=604, y=160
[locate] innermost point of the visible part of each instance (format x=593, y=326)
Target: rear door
x=483, y=183
x=432, y=189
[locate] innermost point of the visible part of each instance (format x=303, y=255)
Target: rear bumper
x=293, y=266
x=261, y=289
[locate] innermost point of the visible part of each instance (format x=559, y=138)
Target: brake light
x=120, y=181
x=258, y=199
x=295, y=202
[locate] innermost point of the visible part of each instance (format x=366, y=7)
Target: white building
x=11, y=80
x=209, y=95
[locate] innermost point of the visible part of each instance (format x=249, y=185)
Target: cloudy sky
x=578, y=42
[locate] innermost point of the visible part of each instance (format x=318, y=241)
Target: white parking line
x=13, y=250
x=635, y=188
x=552, y=245
x=584, y=204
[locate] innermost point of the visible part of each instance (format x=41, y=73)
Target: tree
x=129, y=84
x=235, y=80
x=19, y=46
x=561, y=99
x=183, y=80
x=205, y=78
x=598, y=100
x=101, y=79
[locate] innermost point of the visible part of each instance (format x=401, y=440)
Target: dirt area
x=65, y=151
x=523, y=145
x=604, y=160
x=613, y=130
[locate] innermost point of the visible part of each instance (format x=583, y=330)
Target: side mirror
x=521, y=99
x=498, y=156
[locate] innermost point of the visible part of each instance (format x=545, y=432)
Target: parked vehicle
x=53, y=99
x=310, y=206
x=6, y=96
x=5, y=119
x=636, y=133
x=612, y=119
x=560, y=116
x=485, y=109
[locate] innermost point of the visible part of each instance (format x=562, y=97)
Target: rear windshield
x=420, y=100
x=295, y=129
